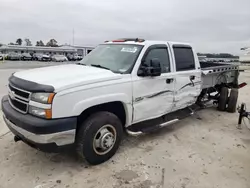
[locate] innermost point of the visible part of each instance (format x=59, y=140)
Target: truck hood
x=67, y=76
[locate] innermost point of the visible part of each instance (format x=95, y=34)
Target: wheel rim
x=104, y=139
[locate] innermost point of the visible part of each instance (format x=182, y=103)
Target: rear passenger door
x=187, y=76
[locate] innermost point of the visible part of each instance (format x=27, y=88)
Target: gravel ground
x=202, y=151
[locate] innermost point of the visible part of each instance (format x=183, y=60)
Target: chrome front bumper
x=59, y=138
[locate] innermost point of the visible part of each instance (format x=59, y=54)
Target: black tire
x=88, y=131
x=232, y=101
x=222, y=104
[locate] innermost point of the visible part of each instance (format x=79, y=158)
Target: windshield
x=119, y=58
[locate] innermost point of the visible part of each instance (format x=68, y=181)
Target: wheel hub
x=104, y=139
x=107, y=140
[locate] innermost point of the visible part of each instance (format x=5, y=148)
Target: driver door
x=153, y=96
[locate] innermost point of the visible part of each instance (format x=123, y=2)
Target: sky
x=212, y=26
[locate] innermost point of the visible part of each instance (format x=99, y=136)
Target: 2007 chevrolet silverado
x=125, y=85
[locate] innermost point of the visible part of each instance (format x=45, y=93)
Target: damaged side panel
x=226, y=77
x=152, y=97
x=187, y=88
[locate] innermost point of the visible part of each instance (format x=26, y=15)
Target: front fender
x=93, y=101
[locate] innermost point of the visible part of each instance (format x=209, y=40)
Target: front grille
x=19, y=92
x=19, y=99
x=19, y=105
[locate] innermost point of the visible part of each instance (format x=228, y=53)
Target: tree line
x=27, y=42
x=220, y=55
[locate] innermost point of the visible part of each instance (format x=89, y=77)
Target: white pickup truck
x=125, y=85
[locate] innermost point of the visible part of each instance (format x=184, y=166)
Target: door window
x=184, y=58
x=162, y=55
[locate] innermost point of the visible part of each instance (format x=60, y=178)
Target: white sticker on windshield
x=122, y=70
x=131, y=50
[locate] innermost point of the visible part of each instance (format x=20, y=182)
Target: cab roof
x=143, y=42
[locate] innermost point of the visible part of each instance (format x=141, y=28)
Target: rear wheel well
x=116, y=108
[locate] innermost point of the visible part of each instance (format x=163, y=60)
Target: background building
x=83, y=50
x=63, y=50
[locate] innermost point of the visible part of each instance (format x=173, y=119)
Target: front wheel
x=99, y=137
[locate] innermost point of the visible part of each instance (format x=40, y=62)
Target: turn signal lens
x=50, y=98
x=48, y=113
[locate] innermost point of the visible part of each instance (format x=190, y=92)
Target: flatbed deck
x=216, y=73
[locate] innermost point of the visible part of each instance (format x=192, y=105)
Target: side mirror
x=154, y=68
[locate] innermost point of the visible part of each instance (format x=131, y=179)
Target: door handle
x=192, y=77
x=169, y=80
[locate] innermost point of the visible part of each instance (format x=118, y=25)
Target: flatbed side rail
x=218, y=69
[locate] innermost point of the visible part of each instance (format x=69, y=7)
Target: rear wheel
x=99, y=137
x=232, y=101
x=222, y=104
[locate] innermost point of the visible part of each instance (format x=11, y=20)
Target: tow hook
x=17, y=138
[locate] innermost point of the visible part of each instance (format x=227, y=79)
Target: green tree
x=52, y=43
x=39, y=43
x=28, y=42
x=19, y=41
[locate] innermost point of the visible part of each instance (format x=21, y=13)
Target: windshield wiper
x=94, y=65
x=99, y=66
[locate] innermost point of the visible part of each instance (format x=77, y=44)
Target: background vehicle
x=26, y=56
x=130, y=85
x=59, y=58
x=71, y=57
x=43, y=57
x=14, y=56
x=74, y=57
x=3, y=56
x=35, y=56
x=79, y=57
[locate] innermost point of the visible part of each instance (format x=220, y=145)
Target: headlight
x=45, y=98
x=43, y=113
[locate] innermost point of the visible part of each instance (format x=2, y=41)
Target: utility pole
x=73, y=37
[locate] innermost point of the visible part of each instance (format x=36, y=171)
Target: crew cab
x=126, y=85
